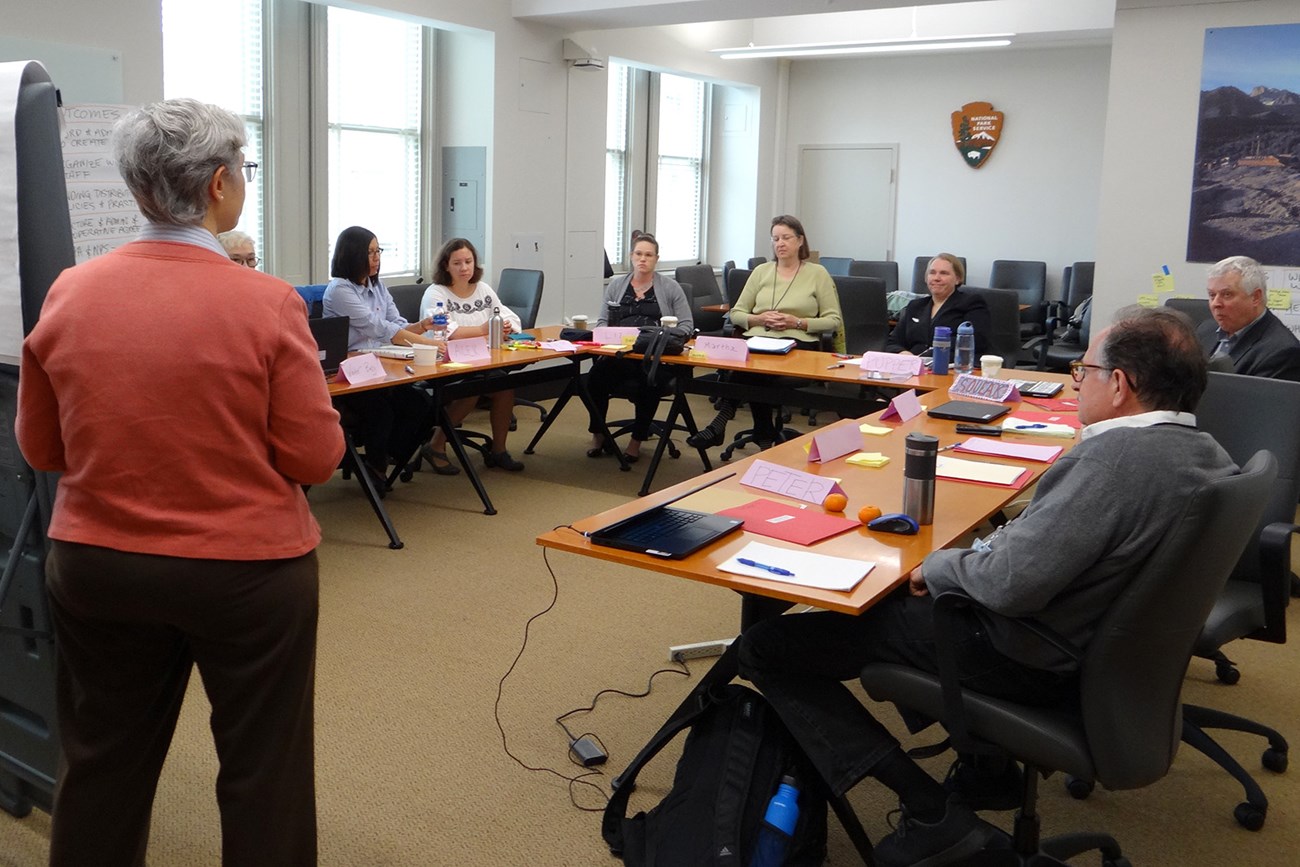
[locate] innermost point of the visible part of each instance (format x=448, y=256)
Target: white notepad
x=810, y=570
x=977, y=471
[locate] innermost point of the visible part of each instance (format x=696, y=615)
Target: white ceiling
x=783, y=22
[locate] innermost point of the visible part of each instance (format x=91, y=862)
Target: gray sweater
x=1095, y=517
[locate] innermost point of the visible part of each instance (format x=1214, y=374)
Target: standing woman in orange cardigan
x=181, y=397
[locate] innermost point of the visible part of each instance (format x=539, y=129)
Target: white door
x=846, y=199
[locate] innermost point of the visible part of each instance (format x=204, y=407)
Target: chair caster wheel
x=1275, y=760
x=407, y=474
x=674, y=452
x=1227, y=673
x=1078, y=788
x=1249, y=816
x=725, y=456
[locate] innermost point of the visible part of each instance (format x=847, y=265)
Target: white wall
x=1151, y=140
x=1035, y=197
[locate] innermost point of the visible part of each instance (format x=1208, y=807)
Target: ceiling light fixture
x=988, y=40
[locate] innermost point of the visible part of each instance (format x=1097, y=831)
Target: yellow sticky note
x=874, y=430
x=628, y=339
x=1279, y=299
x=867, y=459
x=1162, y=282
x=452, y=365
x=696, y=353
x=1148, y=301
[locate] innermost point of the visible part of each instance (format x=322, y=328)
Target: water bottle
x=496, y=329
x=922, y=453
x=777, y=830
x=439, y=316
x=964, y=358
x=941, y=346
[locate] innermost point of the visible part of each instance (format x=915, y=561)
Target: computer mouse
x=894, y=523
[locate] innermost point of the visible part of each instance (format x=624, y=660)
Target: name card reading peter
x=983, y=388
x=776, y=479
x=889, y=362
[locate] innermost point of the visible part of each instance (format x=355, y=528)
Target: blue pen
x=1029, y=427
x=775, y=570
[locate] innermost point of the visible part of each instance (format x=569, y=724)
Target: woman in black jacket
x=945, y=305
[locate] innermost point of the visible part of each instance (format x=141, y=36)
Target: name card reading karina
x=889, y=362
x=722, y=348
x=776, y=479
x=983, y=388
x=360, y=369
x=469, y=349
x=614, y=334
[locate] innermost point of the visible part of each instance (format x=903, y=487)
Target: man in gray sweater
x=1095, y=516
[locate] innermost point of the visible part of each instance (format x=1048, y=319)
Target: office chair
x=406, y=298
x=520, y=289
x=865, y=311
x=836, y=266
x=1004, y=314
x=755, y=261
x=919, y=286
x=882, y=270
x=736, y=280
x=1029, y=278
x=701, y=288
x=1076, y=289
x=1124, y=731
x=1246, y=413
x=1197, y=309
x=1056, y=349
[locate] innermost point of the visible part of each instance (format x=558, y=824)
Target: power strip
x=699, y=650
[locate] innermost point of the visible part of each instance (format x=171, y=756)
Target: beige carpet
x=411, y=768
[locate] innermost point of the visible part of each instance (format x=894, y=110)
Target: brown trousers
x=128, y=630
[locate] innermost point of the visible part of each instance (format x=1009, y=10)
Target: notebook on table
x=969, y=410
x=771, y=345
x=662, y=531
x=331, y=335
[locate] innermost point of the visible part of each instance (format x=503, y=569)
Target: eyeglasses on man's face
x=250, y=171
x=1078, y=369
x=249, y=261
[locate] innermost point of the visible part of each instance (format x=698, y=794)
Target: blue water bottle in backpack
x=778, y=826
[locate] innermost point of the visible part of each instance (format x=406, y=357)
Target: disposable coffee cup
x=580, y=322
x=425, y=354
x=668, y=321
x=991, y=365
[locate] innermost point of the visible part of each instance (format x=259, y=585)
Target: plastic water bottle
x=778, y=826
x=964, y=358
x=941, y=346
x=439, y=316
x=496, y=329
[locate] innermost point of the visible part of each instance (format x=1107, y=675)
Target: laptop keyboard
x=665, y=522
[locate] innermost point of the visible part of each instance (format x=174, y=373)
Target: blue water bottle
x=964, y=358
x=941, y=346
x=778, y=826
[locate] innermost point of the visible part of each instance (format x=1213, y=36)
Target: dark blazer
x=1267, y=348
x=914, y=330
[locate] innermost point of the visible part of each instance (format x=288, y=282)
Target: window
x=656, y=162
x=375, y=109
x=238, y=85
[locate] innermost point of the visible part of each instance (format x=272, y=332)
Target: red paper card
x=788, y=522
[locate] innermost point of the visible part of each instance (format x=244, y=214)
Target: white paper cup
x=580, y=322
x=425, y=354
x=991, y=365
x=668, y=321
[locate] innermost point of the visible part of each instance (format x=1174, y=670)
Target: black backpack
x=735, y=755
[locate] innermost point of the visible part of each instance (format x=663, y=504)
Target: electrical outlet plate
x=699, y=650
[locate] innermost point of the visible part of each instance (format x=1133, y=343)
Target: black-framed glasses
x=250, y=171
x=249, y=261
x=1078, y=369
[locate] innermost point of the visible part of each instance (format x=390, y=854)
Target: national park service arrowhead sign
x=976, y=130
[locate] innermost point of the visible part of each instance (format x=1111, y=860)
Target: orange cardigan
x=182, y=398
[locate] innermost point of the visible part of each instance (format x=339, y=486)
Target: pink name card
x=722, y=348
x=360, y=369
x=469, y=349
x=613, y=334
x=835, y=442
x=904, y=407
x=889, y=362
x=983, y=388
x=776, y=479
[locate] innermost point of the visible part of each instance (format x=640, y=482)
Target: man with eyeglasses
x=239, y=247
x=1096, y=515
x=1243, y=328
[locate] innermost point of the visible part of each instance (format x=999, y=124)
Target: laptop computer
x=665, y=532
x=1045, y=388
x=331, y=335
x=969, y=410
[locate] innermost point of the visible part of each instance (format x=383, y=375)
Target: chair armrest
x=1275, y=578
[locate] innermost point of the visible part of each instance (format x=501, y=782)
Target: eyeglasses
x=1078, y=370
x=250, y=171
x=376, y=252
x=246, y=261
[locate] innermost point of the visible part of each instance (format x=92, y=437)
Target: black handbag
x=575, y=334
x=653, y=343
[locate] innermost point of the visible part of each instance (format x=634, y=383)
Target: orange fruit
x=835, y=502
x=869, y=513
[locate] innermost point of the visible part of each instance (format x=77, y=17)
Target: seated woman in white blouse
x=469, y=303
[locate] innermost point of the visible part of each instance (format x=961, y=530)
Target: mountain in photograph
x=1274, y=96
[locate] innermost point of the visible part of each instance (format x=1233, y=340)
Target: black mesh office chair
x=1004, y=314
x=882, y=270
x=1125, y=730
x=1029, y=279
